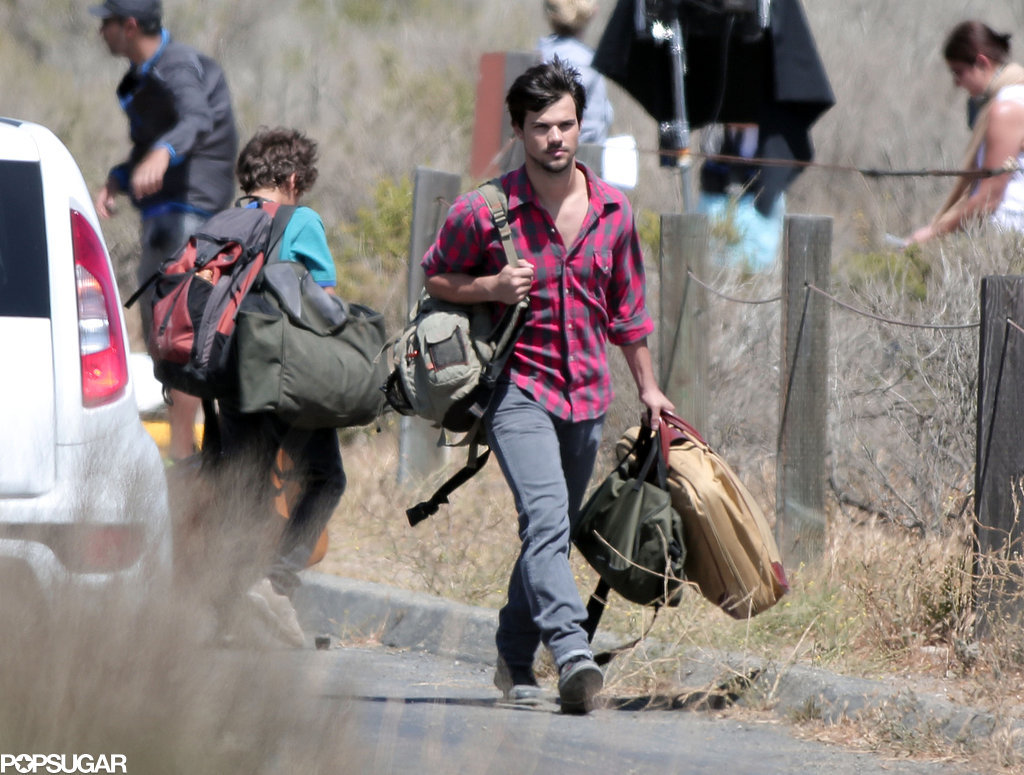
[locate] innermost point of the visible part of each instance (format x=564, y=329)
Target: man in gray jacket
x=180, y=170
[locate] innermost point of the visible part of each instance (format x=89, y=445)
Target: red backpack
x=197, y=292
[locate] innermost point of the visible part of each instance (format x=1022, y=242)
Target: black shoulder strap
x=141, y=289
x=278, y=224
x=429, y=507
x=595, y=608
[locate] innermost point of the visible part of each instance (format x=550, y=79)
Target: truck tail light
x=100, y=336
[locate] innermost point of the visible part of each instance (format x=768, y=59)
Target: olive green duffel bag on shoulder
x=306, y=355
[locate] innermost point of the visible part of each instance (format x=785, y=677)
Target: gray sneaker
x=277, y=613
x=518, y=685
x=579, y=681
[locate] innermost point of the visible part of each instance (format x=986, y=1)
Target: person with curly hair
x=279, y=165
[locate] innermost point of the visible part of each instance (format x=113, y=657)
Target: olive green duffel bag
x=306, y=355
x=629, y=532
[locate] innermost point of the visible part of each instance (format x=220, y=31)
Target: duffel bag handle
x=672, y=427
x=679, y=424
x=659, y=441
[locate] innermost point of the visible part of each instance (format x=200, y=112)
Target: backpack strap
x=141, y=289
x=279, y=222
x=429, y=507
x=498, y=204
x=510, y=326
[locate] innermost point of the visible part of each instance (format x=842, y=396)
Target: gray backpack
x=447, y=360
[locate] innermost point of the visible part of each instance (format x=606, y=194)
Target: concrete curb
x=349, y=609
x=345, y=608
x=810, y=692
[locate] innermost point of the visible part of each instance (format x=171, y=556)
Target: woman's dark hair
x=272, y=156
x=543, y=85
x=969, y=39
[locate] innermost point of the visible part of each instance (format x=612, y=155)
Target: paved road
x=159, y=693
x=412, y=712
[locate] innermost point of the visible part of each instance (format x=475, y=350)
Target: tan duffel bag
x=731, y=554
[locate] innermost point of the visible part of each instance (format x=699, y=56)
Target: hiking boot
x=517, y=684
x=579, y=681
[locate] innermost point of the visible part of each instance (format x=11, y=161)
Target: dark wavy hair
x=970, y=38
x=543, y=85
x=272, y=155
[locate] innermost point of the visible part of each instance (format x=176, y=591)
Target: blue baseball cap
x=142, y=10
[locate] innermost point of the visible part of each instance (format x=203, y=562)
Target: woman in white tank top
x=978, y=58
x=1010, y=212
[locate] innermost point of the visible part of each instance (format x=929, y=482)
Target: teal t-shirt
x=305, y=241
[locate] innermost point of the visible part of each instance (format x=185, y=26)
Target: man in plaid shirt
x=582, y=270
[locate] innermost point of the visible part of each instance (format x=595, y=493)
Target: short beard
x=556, y=168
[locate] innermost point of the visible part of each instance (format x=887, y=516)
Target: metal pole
x=680, y=126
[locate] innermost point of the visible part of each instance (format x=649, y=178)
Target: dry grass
x=386, y=85
x=890, y=597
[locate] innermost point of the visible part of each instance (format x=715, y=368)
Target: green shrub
x=373, y=259
x=906, y=270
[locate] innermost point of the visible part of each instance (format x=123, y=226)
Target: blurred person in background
x=568, y=20
x=180, y=169
x=979, y=59
x=732, y=194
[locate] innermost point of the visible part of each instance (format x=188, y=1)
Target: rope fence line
x=844, y=305
x=705, y=286
x=892, y=321
x=1008, y=168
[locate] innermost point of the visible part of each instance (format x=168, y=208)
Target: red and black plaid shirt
x=582, y=296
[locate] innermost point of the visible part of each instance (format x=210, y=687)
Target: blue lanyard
x=141, y=71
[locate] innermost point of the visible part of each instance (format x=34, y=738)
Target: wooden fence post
x=433, y=193
x=800, y=475
x=999, y=470
x=492, y=128
x=682, y=327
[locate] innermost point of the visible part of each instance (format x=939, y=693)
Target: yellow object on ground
x=160, y=430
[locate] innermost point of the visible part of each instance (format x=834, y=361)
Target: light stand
x=661, y=19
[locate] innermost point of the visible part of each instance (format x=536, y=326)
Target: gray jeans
x=547, y=463
x=162, y=236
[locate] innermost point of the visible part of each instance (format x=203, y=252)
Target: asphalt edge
x=349, y=609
